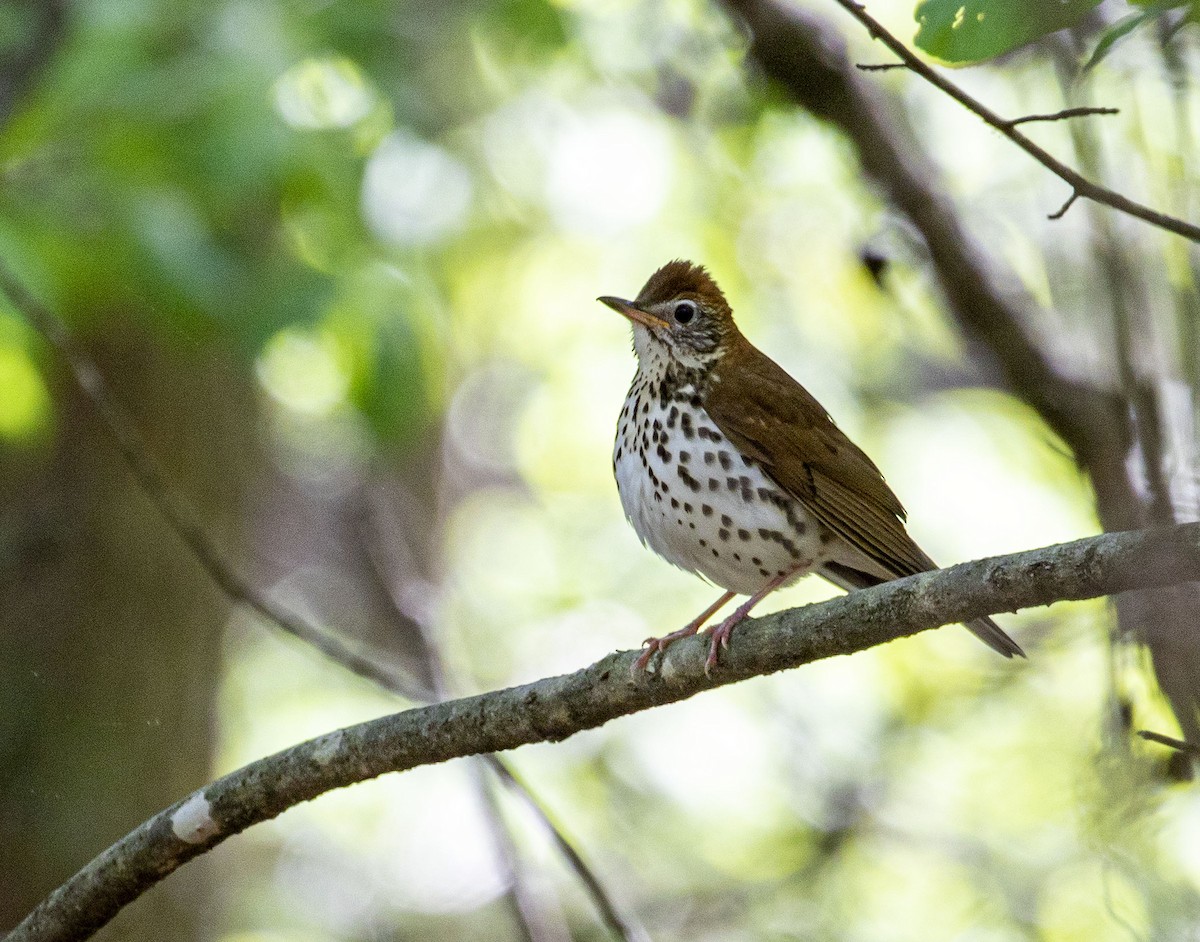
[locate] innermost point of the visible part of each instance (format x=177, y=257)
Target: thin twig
x=1083, y=186
x=525, y=910
x=1079, y=112
x=554, y=708
x=1178, y=744
x=616, y=920
x=879, y=67
x=1062, y=210
x=181, y=519
x=622, y=925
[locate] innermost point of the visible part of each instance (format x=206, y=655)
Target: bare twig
x=525, y=910
x=529, y=916
x=1178, y=744
x=1083, y=186
x=1080, y=112
x=879, y=67
x=552, y=709
x=623, y=926
x=181, y=519
x=1062, y=210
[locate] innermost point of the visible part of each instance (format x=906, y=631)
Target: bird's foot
x=719, y=636
x=655, y=645
x=723, y=631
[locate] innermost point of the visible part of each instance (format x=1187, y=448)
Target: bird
x=730, y=469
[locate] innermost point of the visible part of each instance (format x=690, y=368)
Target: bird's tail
x=994, y=637
x=986, y=630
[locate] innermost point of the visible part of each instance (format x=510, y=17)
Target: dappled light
x=338, y=263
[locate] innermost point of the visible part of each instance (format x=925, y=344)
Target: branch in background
x=1067, y=204
x=1081, y=112
x=617, y=921
x=1081, y=184
x=526, y=913
x=1164, y=621
x=809, y=59
x=383, y=566
x=180, y=517
x=552, y=709
x=1177, y=744
x=183, y=521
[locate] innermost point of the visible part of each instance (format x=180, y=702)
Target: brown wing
x=773, y=419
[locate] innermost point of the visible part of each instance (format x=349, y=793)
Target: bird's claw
x=654, y=646
x=720, y=640
x=651, y=647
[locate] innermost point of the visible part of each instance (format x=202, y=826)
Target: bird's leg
x=721, y=634
x=654, y=645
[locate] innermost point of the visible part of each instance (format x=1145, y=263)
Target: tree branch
x=552, y=709
x=1067, y=204
x=1079, y=183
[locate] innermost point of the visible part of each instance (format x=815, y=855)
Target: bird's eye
x=684, y=312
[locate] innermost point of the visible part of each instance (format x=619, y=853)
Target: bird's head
x=681, y=312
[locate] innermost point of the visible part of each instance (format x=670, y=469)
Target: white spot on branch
x=193, y=823
x=327, y=747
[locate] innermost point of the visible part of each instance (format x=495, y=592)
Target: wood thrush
x=729, y=468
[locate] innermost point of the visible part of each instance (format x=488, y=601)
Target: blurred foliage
x=395, y=216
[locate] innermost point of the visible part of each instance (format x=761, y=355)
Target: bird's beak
x=635, y=314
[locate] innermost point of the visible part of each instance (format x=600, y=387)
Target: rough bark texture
x=557, y=707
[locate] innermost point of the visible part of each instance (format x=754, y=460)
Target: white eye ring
x=684, y=312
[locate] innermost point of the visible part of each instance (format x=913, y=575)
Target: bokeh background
x=338, y=262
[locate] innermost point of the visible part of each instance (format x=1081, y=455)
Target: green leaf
x=1126, y=25
x=1123, y=27
x=967, y=31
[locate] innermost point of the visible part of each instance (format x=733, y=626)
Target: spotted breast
x=695, y=499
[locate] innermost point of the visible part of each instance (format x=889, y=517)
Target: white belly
x=694, y=500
